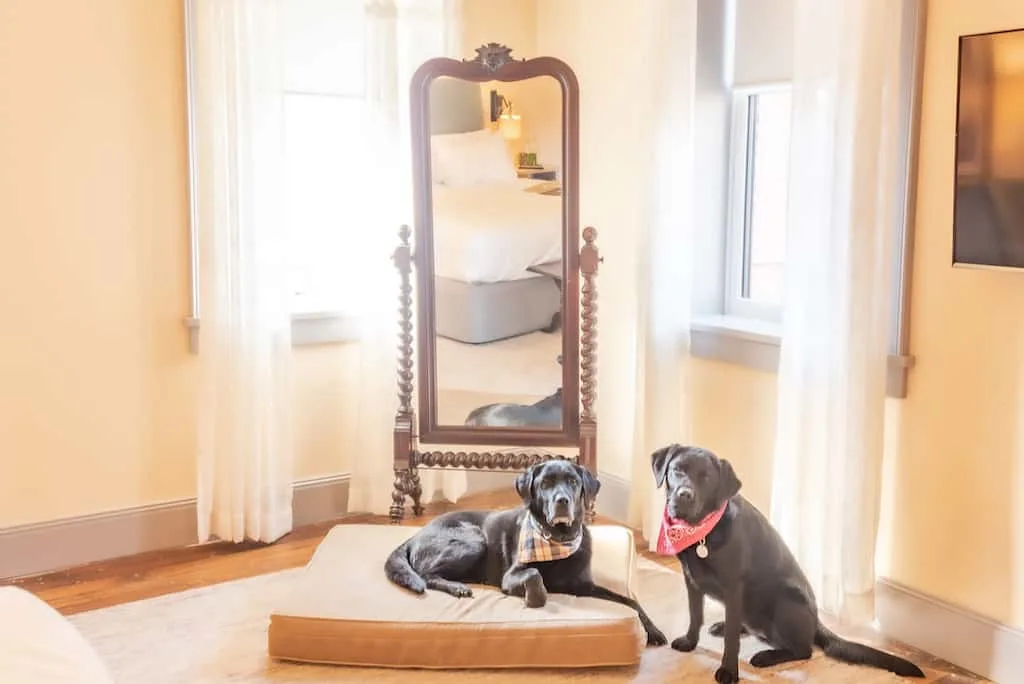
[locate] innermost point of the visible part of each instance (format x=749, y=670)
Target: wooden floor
x=108, y=583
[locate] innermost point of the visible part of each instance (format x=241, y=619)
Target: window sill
x=323, y=328
x=755, y=344
x=308, y=329
x=741, y=341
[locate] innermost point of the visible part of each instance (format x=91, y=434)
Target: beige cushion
x=345, y=612
x=38, y=645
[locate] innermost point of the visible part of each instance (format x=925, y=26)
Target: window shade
x=763, y=41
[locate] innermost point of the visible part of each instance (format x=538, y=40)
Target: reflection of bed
x=488, y=231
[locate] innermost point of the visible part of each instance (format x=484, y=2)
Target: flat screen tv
x=988, y=215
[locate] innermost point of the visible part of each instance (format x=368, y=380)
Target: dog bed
x=345, y=612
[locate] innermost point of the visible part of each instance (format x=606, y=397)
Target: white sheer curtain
x=245, y=440
x=401, y=35
x=245, y=450
x=831, y=382
x=665, y=251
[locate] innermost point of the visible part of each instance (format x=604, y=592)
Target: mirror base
x=407, y=480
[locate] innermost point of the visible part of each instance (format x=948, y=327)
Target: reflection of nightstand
x=543, y=173
x=553, y=270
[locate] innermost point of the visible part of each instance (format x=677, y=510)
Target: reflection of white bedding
x=489, y=233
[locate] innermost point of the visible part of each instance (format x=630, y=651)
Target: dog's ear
x=659, y=463
x=591, y=485
x=728, y=484
x=524, y=483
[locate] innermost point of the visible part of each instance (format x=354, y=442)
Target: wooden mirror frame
x=579, y=425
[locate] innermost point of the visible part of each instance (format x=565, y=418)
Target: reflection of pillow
x=474, y=158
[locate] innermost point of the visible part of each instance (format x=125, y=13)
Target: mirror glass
x=496, y=159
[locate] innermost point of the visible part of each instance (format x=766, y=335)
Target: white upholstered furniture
x=39, y=646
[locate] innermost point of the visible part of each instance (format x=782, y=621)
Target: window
x=323, y=108
x=756, y=249
x=347, y=64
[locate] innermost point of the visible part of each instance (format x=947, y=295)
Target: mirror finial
x=493, y=56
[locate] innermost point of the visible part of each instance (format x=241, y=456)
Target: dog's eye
x=573, y=482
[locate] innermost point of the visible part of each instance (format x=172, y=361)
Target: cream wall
x=511, y=22
x=733, y=406
x=610, y=94
x=953, y=520
x=96, y=382
x=957, y=511
x=97, y=388
x=538, y=101
x=98, y=391
x=734, y=415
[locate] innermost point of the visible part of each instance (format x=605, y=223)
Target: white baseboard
x=480, y=481
x=954, y=634
x=54, y=545
x=613, y=500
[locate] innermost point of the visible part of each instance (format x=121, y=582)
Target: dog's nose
x=684, y=494
x=562, y=500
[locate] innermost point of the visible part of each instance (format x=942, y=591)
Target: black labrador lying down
x=730, y=552
x=529, y=551
x=547, y=411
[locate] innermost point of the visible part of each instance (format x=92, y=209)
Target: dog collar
x=536, y=547
x=677, y=535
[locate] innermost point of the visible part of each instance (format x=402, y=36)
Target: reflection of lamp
x=511, y=126
x=499, y=105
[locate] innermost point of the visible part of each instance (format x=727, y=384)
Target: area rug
x=218, y=634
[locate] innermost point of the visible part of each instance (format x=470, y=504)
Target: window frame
x=739, y=203
x=754, y=343
x=308, y=327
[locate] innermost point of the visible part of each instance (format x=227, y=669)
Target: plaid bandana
x=534, y=547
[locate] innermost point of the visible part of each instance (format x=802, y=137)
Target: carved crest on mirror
x=492, y=56
x=497, y=281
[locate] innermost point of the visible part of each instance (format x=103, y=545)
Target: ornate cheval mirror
x=505, y=361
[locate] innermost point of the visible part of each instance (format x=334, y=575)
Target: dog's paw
x=462, y=592
x=536, y=599
x=536, y=595
x=417, y=586
x=655, y=637
x=763, y=659
x=724, y=675
x=717, y=629
x=684, y=644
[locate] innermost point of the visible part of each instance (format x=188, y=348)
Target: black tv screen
x=988, y=216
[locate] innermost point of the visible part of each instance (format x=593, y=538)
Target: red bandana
x=676, y=535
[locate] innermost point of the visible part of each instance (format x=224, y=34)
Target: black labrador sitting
x=540, y=547
x=730, y=552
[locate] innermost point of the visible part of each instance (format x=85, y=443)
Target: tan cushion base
x=345, y=612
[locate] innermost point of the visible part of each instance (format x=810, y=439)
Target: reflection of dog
x=730, y=552
x=547, y=411
x=542, y=546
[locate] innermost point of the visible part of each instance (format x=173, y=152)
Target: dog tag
x=702, y=549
